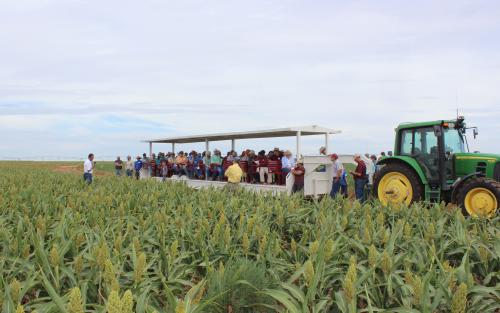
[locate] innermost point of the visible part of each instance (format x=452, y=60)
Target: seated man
x=216, y=165
x=287, y=163
x=181, y=161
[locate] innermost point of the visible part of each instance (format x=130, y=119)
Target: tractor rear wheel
x=396, y=183
x=479, y=197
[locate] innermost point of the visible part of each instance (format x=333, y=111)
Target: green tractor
x=431, y=163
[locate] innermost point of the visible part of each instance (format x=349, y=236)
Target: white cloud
x=197, y=67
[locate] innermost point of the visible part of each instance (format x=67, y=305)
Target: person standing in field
x=144, y=173
x=233, y=174
x=382, y=155
x=298, y=174
x=343, y=185
x=118, y=166
x=129, y=166
x=88, y=169
x=163, y=169
x=359, y=176
x=371, y=169
x=138, y=167
x=338, y=170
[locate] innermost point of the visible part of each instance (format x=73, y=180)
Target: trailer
x=318, y=168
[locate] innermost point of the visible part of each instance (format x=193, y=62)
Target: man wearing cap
x=359, y=176
x=88, y=168
x=233, y=174
x=337, y=169
x=137, y=167
x=298, y=177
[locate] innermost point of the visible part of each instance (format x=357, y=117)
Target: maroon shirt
x=361, y=168
x=262, y=161
x=298, y=173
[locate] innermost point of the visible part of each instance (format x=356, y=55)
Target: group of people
x=270, y=167
x=250, y=167
x=362, y=176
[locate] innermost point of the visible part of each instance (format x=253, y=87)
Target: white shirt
x=337, y=165
x=370, y=171
x=87, y=166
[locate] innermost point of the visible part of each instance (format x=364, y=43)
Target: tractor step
x=432, y=194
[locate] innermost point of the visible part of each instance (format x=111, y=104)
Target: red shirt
x=298, y=173
x=361, y=168
x=262, y=161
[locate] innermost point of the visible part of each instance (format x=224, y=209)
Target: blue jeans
x=359, y=188
x=87, y=177
x=182, y=170
x=129, y=173
x=335, y=188
x=118, y=172
x=343, y=190
x=217, y=172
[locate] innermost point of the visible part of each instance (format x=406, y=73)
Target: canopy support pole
x=150, y=148
x=232, y=145
x=173, y=147
x=299, y=133
x=207, y=145
x=327, y=140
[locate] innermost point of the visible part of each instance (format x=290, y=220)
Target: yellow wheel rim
x=395, y=188
x=480, y=202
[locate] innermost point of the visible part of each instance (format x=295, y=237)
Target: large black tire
x=474, y=185
x=409, y=173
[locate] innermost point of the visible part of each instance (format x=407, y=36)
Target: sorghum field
x=139, y=246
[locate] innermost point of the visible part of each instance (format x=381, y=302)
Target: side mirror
x=475, y=132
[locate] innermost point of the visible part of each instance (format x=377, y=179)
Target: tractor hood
x=488, y=157
x=467, y=163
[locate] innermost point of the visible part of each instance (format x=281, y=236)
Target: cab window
x=406, y=142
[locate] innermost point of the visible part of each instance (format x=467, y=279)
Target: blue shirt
x=138, y=165
x=287, y=163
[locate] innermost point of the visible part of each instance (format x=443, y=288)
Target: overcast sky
x=81, y=76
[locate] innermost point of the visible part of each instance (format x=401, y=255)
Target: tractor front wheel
x=479, y=197
x=396, y=183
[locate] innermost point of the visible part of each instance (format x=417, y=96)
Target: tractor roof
x=423, y=124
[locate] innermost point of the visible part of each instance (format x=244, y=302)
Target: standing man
x=118, y=166
x=88, y=168
x=129, y=166
x=138, y=167
x=338, y=169
x=322, y=150
x=359, y=176
x=298, y=174
x=233, y=174
x=370, y=171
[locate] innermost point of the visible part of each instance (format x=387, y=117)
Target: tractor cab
x=431, y=162
x=433, y=146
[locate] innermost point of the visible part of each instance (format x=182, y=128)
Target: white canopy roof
x=269, y=133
